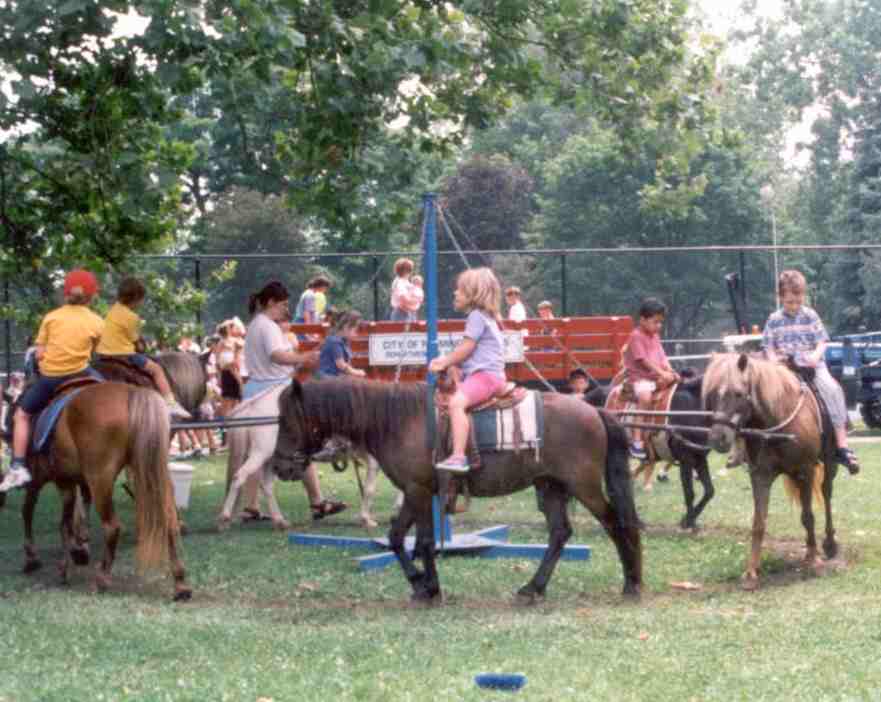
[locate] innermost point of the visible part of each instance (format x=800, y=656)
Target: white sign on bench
x=410, y=348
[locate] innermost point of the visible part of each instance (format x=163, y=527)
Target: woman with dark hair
x=271, y=361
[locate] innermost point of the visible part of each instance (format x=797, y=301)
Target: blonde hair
x=793, y=281
x=481, y=290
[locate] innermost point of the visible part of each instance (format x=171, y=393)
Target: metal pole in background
x=198, y=275
x=430, y=220
x=8, y=325
x=563, y=285
x=743, y=291
x=376, y=288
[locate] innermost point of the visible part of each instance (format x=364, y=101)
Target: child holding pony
x=480, y=355
x=796, y=331
x=122, y=329
x=65, y=341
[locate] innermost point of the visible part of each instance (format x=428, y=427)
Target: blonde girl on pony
x=480, y=356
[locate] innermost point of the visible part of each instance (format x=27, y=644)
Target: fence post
x=8, y=324
x=198, y=276
x=563, y=304
x=376, y=288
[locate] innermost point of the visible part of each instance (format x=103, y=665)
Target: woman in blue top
x=336, y=353
x=480, y=354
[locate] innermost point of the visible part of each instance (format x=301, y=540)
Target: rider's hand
x=437, y=364
x=309, y=359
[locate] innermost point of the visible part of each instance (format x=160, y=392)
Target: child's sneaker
x=175, y=409
x=204, y=452
x=17, y=476
x=638, y=452
x=454, y=464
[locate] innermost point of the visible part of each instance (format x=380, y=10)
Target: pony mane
x=186, y=377
x=367, y=412
x=773, y=386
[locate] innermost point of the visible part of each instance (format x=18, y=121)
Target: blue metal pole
x=430, y=267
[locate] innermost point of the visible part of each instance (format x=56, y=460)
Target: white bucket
x=181, y=479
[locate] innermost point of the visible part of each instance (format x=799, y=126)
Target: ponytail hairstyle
x=272, y=291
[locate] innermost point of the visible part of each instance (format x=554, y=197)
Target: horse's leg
x=68, y=497
x=31, y=559
x=702, y=468
x=761, y=480
x=369, y=493
x=254, y=463
x=830, y=547
x=686, y=477
x=427, y=591
x=806, y=494
x=553, y=505
x=79, y=551
x=400, y=526
x=626, y=537
x=182, y=590
x=110, y=523
x=267, y=486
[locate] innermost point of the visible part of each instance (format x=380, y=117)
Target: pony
x=686, y=449
x=250, y=449
x=104, y=428
x=184, y=370
x=754, y=393
x=584, y=451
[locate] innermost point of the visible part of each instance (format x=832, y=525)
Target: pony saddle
x=43, y=429
x=132, y=373
x=622, y=399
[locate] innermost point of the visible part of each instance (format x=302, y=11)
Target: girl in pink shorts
x=480, y=356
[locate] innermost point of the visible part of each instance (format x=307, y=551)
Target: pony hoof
x=80, y=556
x=32, y=566
x=102, y=583
x=281, y=524
x=632, y=592
x=423, y=601
x=830, y=549
x=223, y=523
x=523, y=599
x=368, y=523
x=749, y=583
x=183, y=595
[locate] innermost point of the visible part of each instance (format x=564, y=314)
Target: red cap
x=80, y=282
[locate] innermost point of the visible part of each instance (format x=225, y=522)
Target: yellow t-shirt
x=68, y=335
x=320, y=306
x=122, y=327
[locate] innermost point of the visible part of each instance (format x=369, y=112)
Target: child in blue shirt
x=336, y=353
x=480, y=355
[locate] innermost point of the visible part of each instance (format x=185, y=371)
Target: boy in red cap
x=64, y=343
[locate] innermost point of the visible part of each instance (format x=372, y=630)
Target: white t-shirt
x=262, y=338
x=517, y=312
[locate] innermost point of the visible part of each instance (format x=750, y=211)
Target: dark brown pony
x=747, y=392
x=105, y=428
x=185, y=373
x=584, y=451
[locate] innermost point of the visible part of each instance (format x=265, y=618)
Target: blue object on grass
x=500, y=681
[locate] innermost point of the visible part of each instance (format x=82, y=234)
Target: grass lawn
x=273, y=622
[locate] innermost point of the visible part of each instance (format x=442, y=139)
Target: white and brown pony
x=745, y=392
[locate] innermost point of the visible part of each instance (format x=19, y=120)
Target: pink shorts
x=480, y=386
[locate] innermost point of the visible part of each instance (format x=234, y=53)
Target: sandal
x=325, y=508
x=848, y=459
x=249, y=514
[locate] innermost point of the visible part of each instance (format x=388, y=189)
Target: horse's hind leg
x=830, y=546
x=32, y=561
x=182, y=591
x=687, y=470
x=423, y=589
x=553, y=504
x=110, y=523
x=79, y=550
x=68, y=536
x=806, y=494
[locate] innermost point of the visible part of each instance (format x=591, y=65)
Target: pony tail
x=156, y=519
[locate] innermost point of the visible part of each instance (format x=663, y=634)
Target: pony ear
x=742, y=362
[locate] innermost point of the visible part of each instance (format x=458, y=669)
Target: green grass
x=274, y=622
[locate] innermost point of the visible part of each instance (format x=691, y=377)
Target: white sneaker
x=204, y=452
x=16, y=477
x=176, y=411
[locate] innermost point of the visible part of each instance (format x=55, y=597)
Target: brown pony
x=748, y=392
x=584, y=455
x=106, y=427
